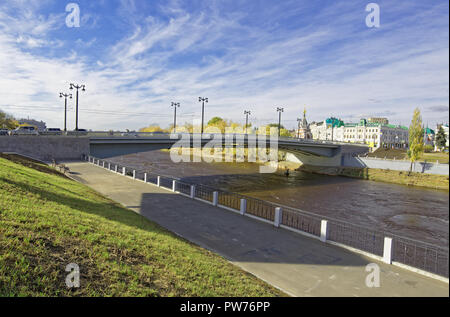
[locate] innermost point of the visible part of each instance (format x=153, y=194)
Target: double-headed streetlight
x=279, y=110
x=65, y=107
x=203, y=100
x=175, y=105
x=83, y=88
x=247, y=113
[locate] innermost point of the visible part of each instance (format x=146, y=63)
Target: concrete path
x=298, y=265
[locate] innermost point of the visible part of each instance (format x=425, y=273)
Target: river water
x=412, y=212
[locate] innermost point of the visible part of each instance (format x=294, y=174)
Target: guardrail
x=411, y=254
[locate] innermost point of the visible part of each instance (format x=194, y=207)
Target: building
x=303, y=131
x=40, y=125
x=374, y=134
x=428, y=136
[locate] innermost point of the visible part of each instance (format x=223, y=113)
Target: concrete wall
x=46, y=148
x=396, y=165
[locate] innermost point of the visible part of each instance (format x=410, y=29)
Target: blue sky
x=136, y=57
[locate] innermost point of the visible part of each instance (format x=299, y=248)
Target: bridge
x=309, y=152
x=109, y=144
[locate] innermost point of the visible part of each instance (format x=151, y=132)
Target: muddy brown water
x=412, y=212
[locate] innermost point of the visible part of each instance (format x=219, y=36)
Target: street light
x=203, y=100
x=247, y=113
x=175, y=105
x=298, y=129
x=65, y=108
x=83, y=88
x=279, y=110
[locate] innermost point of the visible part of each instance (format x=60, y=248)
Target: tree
x=416, y=145
x=7, y=121
x=441, y=138
x=153, y=128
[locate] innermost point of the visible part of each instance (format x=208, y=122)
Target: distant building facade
x=374, y=134
x=304, y=131
x=40, y=125
x=428, y=136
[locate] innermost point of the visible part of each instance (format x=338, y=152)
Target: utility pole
x=83, y=88
x=175, y=105
x=247, y=113
x=279, y=110
x=203, y=100
x=65, y=108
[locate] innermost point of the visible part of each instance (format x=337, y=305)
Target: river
x=412, y=212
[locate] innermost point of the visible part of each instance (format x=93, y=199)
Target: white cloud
x=330, y=66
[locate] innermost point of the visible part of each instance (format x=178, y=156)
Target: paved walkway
x=296, y=264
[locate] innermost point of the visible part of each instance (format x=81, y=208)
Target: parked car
x=53, y=131
x=4, y=132
x=25, y=130
x=81, y=132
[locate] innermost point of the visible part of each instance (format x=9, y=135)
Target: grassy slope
x=47, y=222
x=397, y=177
x=398, y=154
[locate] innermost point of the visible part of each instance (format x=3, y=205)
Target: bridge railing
x=409, y=252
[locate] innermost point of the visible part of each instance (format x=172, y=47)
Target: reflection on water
x=412, y=212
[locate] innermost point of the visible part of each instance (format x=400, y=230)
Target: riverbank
x=48, y=221
x=440, y=182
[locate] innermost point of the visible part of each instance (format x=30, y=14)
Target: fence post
x=215, y=198
x=278, y=214
x=323, y=230
x=174, y=185
x=124, y=171
x=387, y=250
x=145, y=177
x=109, y=166
x=115, y=168
x=103, y=164
x=243, y=206
x=134, y=174
x=192, y=191
x=158, y=181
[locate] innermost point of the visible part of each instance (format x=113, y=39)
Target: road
x=298, y=265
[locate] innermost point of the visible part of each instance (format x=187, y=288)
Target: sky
x=136, y=57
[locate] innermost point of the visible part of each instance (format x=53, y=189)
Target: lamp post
x=83, y=88
x=279, y=110
x=65, y=108
x=175, y=105
x=247, y=113
x=298, y=129
x=203, y=100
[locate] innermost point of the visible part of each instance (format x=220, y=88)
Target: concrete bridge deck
x=296, y=264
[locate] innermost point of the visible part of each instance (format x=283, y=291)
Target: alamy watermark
x=373, y=278
x=373, y=18
x=73, y=18
x=73, y=278
x=215, y=146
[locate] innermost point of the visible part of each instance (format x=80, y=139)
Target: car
x=4, y=132
x=25, y=130
x=53, y=131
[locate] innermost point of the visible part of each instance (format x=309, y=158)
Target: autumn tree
x=7, y=121
x=416, y=144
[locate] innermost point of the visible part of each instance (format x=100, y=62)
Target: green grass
x=48, y=221
x=396, y=177
x=400, y=154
